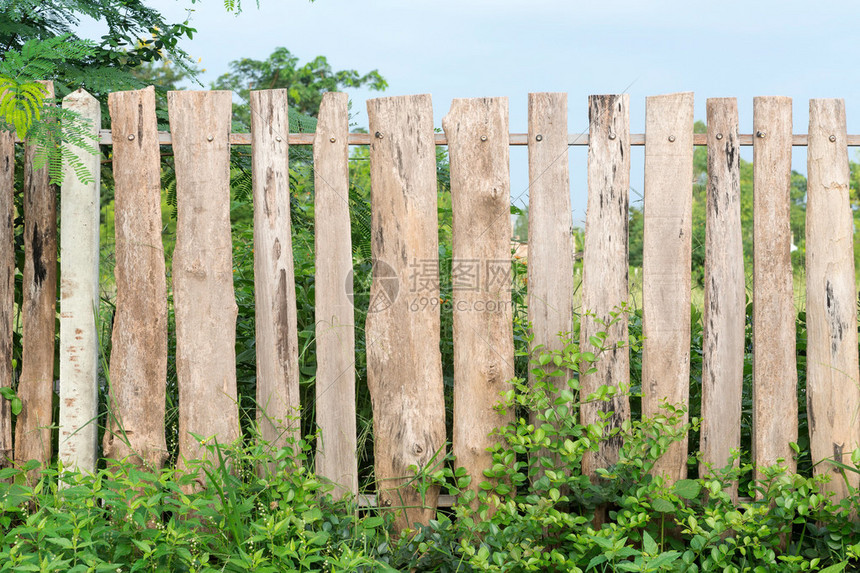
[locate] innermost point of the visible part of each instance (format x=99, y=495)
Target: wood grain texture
x=774, y=388
x=404, y=365
x=605, y=281
x=7, y=287
x=38, y=313
x=138, y=363
x=725, y=292
x=274, y=280
x=481, y=274
x=551, y=248
x=832, y=379
x=79, y=300
x=335, y=317
x=203, y=272
x=666, y=265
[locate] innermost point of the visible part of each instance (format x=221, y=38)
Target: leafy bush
x=255, y=508
x=229, y=518
x=536, y=511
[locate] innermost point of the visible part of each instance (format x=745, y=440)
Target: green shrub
x=535, y=509
x=544, y=508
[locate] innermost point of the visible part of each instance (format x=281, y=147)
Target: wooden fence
x=403, y=339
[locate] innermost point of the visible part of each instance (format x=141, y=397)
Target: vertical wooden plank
x=274, y=281
x=477, y=132
x=725, y=294
x=832, y=377
x=666, y=264
x=36, y=385
x=203, y=271
x=335, y=317
x=404, y=363
x=774, y=389
x=7, y=287
x=138, y=362
x=551, y=249
x=605, y=282
x=79, y=299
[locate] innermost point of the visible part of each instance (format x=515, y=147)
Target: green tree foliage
x=700, y=188
x=39, y=42
x=521, y=224
x=306, y=83
x=41, y=39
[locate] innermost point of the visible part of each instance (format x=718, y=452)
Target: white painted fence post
x=79, y=299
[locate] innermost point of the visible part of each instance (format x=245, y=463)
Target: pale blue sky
x=475, y=48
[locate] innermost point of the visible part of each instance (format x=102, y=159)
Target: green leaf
x=595, y=561
x=663, y=559
x=687, y=488
x=662, y=505
x=648, y=544
x=835, y=568
x=373, y=522
x=62, y=542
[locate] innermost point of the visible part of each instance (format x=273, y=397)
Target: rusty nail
x=832, y=138
x=538, y=137
x=671, y=139
x=131, y=137
x=333, y=139
x=379, y=135
x=483, y=138
x=760, y=134
x=719, y=136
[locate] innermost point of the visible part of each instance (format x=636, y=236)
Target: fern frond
x=21, y=103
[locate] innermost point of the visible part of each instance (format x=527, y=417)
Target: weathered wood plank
x=605, y=281
x=36, y=385
x=7, y=287
x=725, y=294
x=551, y=250
x=274, y=282
x=404, y=364
x=203, y=271
x=79, y=300
x=335, y=317
x=832, y=378
x=138, y=363
x=666, y=264
x=774, y=388
x=481, y=268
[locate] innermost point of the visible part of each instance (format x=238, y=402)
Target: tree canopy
x=306, y=83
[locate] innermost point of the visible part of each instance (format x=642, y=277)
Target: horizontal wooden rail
x=369, y=500
x=699, y=139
